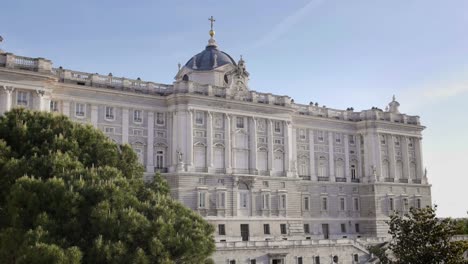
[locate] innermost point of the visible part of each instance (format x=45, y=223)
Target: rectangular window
x=160, y=119
x=109, y=130
x=278, y=141
x=390, y=204
x=306, y=229
x=239, y=122
x=317, y=260
x=324, y=203
x=277, y=127
x=397, y=141
x=79, y=109
x=137, y=116
x=266, y=229
x=338, y=138
x=232, y=262
x=243, y=200
x=266, y=201
x=356, y=204
x=306, y=204
x=299, y=260
x=302, y=134
x=201, y=200
x=53, y=106
x=342, y=204
x=221, y=230
x=199, y=118
x=265, y=184
x=222, y=200
x=253, y=261
x=343, y=228
x=320, y=137
x=383, y=140
x=352, y=140
x=22, y=98
x=356, y=227
x=283, y=201
x=283, y=229
x=137, y=132
x=405, y=204
x=159, y=159
x=418, y=203
x=109, y=113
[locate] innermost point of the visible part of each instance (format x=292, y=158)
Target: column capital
x=40, y=92
x=8, y=89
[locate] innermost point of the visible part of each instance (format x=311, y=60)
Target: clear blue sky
x=340, y=53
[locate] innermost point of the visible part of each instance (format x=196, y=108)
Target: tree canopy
x=71, y=195
x=419, y=237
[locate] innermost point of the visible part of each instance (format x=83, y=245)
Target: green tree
x=420, y=238
x=71, y=195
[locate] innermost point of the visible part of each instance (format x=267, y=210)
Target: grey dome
x=204, y=61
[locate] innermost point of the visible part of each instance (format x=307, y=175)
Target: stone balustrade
x=42, y=65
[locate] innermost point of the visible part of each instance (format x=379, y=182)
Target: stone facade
x=282, y=182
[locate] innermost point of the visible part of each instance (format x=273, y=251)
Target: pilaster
x=150, y=148
x=405, y=157
x=189, y=128
x=288, y=155
x=253, y=146
x=312, y=170
x=209, y=141
x=7, y=94
x=271, y=151
x=346, y=152
x=125, y=126
x=391, y=157
x=419, y=158
x=66, y=108
x=331, y=156
x=94, y=115
x=227, y=144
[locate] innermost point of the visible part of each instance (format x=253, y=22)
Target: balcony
x=305, y=178
x=355, y=180
x=337, y=179
x=321, y=178
x=389, y=180
x=160, y=170
x=403, y=180
x=417, y=181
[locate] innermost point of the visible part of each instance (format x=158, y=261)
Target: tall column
x=7, y=99
x=271, y=151
x=125, y=126
x=376, y=154
x=331, y=156
x=170, y=145
x=66, y=108
x=419, y=158
x=94, y=115
x=360, y=170
x=253, y=146
x=288, y=154
x=405, y=157
x=312, y=170
x=233, y=144
x=189, y=129
x=174, y=139
x=150, y=145
x=227, y=143
x=391, y=157
x=346, y=150
x=38, y=100
x=209, y=141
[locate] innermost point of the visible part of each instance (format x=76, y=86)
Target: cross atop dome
x=212, y=20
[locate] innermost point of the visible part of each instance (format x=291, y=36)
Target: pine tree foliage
x=419, y=237
x=71, y=195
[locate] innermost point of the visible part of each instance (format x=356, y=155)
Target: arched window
x=353, y=170
x=413, y=174
x=185, y=78
x=385, y=169
x=322, y=167
x=226, y=79
x=339, y=168
x=399, y=169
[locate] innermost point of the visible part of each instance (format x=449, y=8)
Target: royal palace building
x=282, y=182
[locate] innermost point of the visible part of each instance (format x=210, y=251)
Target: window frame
x=221, y=229
x=137, y=118
x=24, y=101
x=109, y=113
x=83, y=110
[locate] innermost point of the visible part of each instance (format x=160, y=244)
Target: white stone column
x=360, y=169
x=288, y=154
x=125, y=126
x=312, y=169
x=419, y=158
x=391, y=157
x=189, y=129
x=346, y=150
x=227, y=143
x=66, y=108
x=94, y=115
x=209, y=141
x=39, y=100
x=150, y=145
x=405, y=157
x=174, y=139
x=331, y=156
x=7, y=100
x=233, y=144
x=253, y=146
x=271, y=151
x=170, y=145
